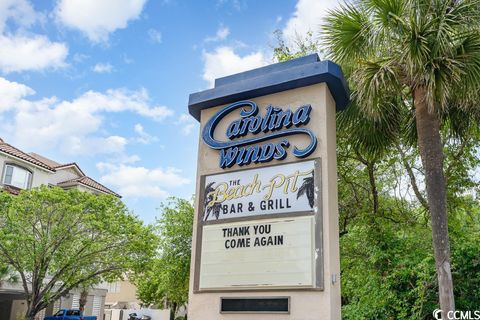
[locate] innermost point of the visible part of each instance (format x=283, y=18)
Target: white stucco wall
x=63, y=175
x=19, y=308
x=39, y=176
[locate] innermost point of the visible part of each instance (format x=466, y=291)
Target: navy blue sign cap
x=276, y=123
x=274, y=78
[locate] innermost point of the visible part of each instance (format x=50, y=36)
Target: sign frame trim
x=317, y=212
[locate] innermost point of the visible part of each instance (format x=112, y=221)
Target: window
x=76, y=301
x=114, y=287
x=17, y=176
x=97, y=306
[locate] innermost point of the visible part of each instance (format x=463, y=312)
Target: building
x=122, y=299
x=19, y=171
x=122, y=295
x=22, y=170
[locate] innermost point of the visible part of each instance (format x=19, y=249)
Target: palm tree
x=420, y=58
x=207, y=198
x=308, y=189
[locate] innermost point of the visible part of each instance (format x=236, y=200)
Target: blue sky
x=106, y=83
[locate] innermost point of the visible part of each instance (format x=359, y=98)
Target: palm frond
x=463, y=13
x=376, y=81
x=388, y=48
x=207, y=209
x=308, y=189
x=301, y=191
x=346, y=32
x=368, y=135
x=467, y=53
x=386, y=13
x=457, y=121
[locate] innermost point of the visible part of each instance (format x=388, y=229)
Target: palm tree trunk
x=431, y=153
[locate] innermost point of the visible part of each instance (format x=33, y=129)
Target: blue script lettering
x=276, y=123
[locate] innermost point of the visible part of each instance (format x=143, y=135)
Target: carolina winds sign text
x=269, y=190
x=275, y=123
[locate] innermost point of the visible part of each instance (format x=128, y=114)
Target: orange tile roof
x=51, y=165
x=89, y=182
x=45, y=160
x=11, y=150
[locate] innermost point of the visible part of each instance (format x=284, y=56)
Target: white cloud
x=74, y=127
x=60, y=125
x=11, y=93
x=308, y=16
x=224, y=61
x=140, y=182
x=118, y=100
x=127, y=59
x=93, y=145
x=19, y=11
x=21, y=53
x=155, y=36
x=102, y=68
x=143, y=136
x=222, y=34
x=80, y=57
x=139, y=129
x=97, y=19
x=187, y=123
x=20, y=50
x=238, y=5
x=126, y=159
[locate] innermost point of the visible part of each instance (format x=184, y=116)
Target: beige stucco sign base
x=317, y=297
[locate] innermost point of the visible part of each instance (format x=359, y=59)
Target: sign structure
x=265, y=237
x=259, y=253
x=270, y=190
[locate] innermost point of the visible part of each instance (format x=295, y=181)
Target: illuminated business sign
x=242, y=149
x=261, y=191
x=259, y=254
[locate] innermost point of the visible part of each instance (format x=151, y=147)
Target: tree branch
x=413, y=180
x=456, y=159
x=371, y=178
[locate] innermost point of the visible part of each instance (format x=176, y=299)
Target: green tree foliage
x=414, y=64
x=387, y=262
x=303, y=45
x=6, y=275
x=59, y=240
x=165, y=281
